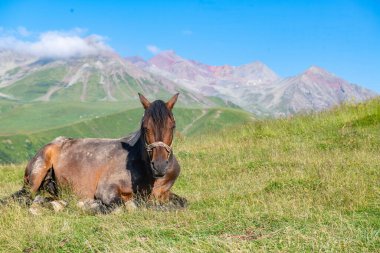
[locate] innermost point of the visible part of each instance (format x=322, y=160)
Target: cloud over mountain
x=56, y=44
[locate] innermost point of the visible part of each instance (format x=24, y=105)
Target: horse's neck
x=142, y=153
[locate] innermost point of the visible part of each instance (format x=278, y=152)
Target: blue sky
x=289, y=36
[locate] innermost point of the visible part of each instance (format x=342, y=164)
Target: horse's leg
x=161, y=193
x=94, y=206
x=110, y=205
x=37, y=169
x=114, y=192
x=161, y=190
x=161, y=187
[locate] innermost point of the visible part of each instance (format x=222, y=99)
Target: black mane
x=159, y=112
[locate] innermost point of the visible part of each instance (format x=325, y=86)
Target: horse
x=111, y=172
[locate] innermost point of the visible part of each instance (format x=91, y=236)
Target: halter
x=150, y=147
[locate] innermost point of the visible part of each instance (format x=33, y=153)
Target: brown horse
x=112, y=171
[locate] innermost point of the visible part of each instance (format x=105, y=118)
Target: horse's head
x=157, y=130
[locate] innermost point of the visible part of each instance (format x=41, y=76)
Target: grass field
x=304, y=184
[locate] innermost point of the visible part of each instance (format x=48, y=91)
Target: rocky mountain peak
x=317, y=71
x=165, y=58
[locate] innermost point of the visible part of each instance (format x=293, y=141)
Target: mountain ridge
x=258, y=89
x=109, y=77
x=91, y=78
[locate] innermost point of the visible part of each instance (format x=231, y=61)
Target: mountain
x=209, y=80
x=257, y=88
x=104, y=77
x=313, y=90
x=109, y=77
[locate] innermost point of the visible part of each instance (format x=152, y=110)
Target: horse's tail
x=21, y=196
x=24, y=194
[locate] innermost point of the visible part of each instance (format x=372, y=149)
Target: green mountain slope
x=36, y=84
x=99, y=78
x=22, y=146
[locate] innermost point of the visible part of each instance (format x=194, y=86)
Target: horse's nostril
x=167, y=162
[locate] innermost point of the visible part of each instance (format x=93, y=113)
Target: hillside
x=21, y=146
x=303, y=184
x=25, y=118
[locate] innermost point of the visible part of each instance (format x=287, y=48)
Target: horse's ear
x=170, y=104
x=145, y=102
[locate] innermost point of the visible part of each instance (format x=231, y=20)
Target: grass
x=304, y=184
x=26, y=118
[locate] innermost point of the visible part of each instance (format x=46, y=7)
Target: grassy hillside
x=20, y=147
x=26, y=118
x=306, y=184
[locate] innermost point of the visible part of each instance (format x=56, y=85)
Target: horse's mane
x=159, y=112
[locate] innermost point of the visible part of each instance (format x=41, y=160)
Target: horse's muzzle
x=159, y=168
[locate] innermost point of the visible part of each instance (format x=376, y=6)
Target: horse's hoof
x=117, y=210
x=178, y=201
x=81, y=204
x=92, y=206
x=58, y=205
x=182, y=202
x=39, y=199
x=86, y=204
x=130, y=205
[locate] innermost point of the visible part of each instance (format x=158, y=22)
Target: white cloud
x=153, y=49
x=55, y=44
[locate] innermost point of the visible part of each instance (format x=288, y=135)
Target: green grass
x=26, y=118
x=304, y=184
